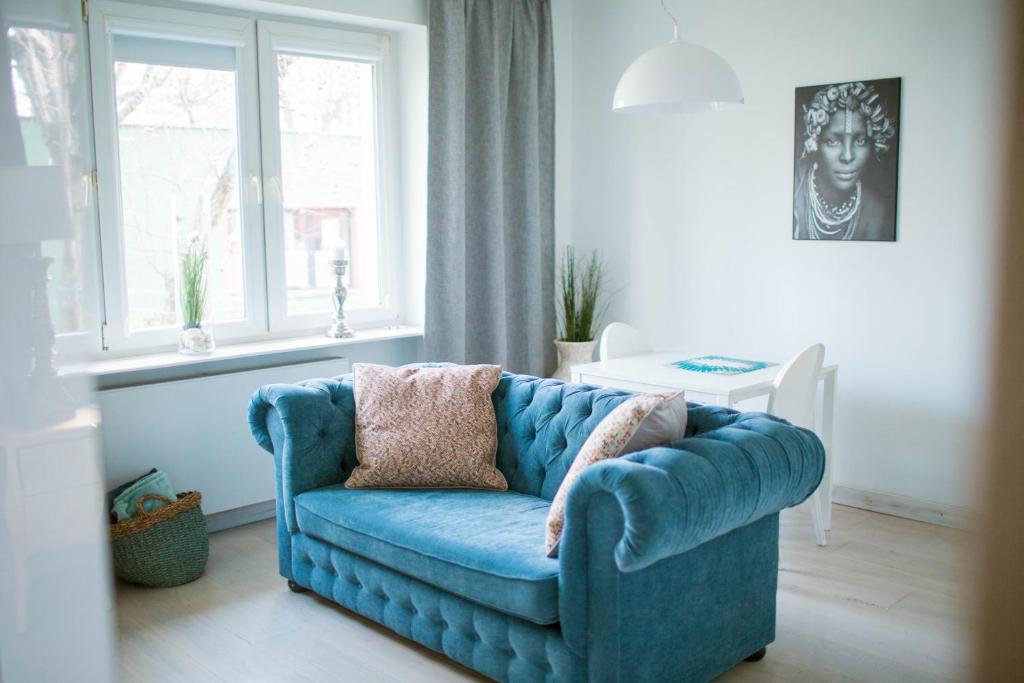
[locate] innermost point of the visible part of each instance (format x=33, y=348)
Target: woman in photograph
x=847, y=130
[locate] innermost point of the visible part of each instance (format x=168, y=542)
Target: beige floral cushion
x=637, y=423
x=426, y=427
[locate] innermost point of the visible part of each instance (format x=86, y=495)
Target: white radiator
x=196, y=430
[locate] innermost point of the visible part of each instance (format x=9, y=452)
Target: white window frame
x=108, y=18
x=336, y=43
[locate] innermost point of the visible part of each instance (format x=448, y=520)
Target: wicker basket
x=166, y=547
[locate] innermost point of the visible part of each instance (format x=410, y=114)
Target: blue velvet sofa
x=668, y=563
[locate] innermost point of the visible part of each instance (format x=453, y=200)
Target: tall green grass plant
x=193, y=283
x=580, y=304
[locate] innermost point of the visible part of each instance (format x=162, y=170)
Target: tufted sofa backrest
x=542, y=423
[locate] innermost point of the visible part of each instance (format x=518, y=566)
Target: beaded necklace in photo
x=828, y=220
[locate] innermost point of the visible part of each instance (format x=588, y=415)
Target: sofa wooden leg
x=296, y=588
x=757, y=656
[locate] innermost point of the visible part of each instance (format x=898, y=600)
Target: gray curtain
x=490, y=184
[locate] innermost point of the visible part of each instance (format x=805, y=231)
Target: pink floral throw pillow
x=637, y=423
x=426, y=427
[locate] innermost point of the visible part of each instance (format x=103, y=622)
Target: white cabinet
x=56, y=617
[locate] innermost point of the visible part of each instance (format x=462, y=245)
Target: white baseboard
x=904, y=506
x=257, y=512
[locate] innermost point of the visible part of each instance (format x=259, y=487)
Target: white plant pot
x=571, y=354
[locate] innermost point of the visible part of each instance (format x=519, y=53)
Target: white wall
x=412, y=84
x=693, y=214
x=562, y=29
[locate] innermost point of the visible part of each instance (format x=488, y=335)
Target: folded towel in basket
x=154, y=482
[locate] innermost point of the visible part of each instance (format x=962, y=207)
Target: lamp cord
x=675, y=24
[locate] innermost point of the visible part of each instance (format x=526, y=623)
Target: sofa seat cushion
x=485, y=546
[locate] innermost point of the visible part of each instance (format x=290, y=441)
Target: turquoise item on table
x=669, y=560
x=720, y=365
x=154, y=482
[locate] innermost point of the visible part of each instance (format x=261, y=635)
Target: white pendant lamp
x=678, y=78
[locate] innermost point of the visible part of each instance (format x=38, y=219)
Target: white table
x=654, y=372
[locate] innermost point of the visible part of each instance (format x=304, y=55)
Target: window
x=321, y=90
x=262, y=139
x=48, y=77
x=178, y=174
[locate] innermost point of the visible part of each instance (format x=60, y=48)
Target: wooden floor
x=885, y=601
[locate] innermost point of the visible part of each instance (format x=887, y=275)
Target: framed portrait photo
x=846, y=161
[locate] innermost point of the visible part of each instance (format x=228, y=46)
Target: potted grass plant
x=194, y=339
x=580, y=308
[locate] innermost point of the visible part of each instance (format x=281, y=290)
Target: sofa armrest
x=675, y=498
x=310, y=429
x=624, y=516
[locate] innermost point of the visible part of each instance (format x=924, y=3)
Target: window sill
x=154, y=368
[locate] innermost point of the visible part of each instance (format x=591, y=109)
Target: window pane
x=178, y=146
x=46, y=70
x=326, y=113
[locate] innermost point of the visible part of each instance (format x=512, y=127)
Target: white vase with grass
x=580, y=308
x=194, y=338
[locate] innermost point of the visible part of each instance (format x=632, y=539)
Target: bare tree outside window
x=326, y=117
x=178, y=146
